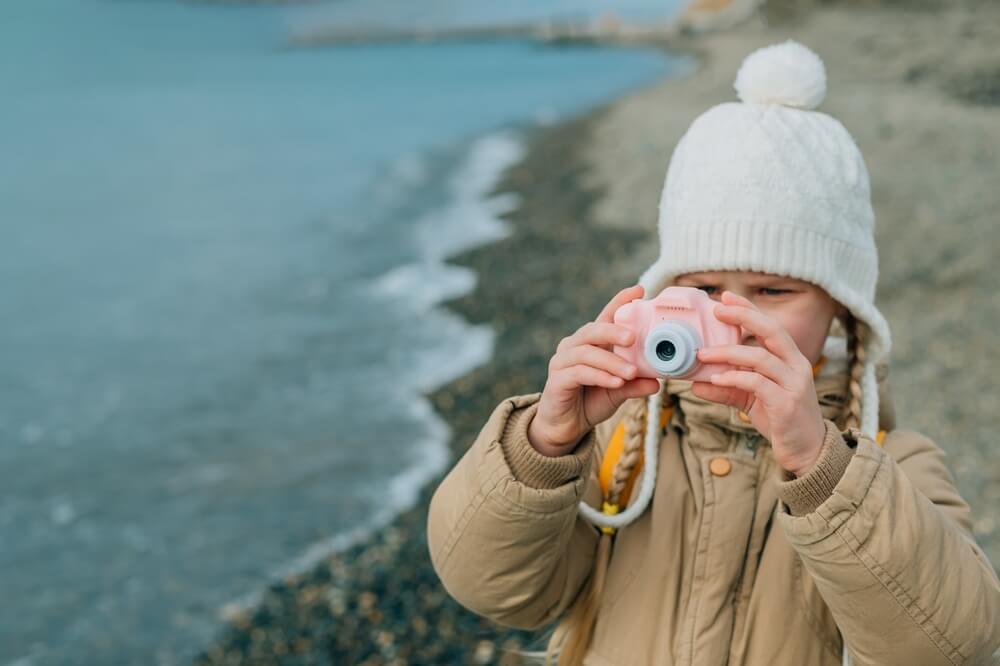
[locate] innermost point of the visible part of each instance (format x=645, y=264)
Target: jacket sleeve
x=503, y=528
x=892, y=552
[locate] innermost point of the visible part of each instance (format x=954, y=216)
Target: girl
x=791, y=522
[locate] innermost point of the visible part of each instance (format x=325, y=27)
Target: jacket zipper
x=751, y=441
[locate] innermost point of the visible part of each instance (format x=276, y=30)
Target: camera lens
x=671, y=348
x=665, y=350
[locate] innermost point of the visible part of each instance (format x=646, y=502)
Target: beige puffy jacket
x=874, y=546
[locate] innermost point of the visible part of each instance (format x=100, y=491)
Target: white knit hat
x=771, y=185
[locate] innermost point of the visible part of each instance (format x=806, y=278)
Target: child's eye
x=770, y=291
x=708, y=290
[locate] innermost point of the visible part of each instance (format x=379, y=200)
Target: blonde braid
x=635, y=431
x=857, y=334
x=571, y=638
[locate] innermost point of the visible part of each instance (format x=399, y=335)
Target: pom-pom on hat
x=770, y=184
x=788, y=74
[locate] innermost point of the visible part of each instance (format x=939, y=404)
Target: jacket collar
x=832, y=391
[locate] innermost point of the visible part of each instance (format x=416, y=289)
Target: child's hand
x=587, y=381
x=776, y=388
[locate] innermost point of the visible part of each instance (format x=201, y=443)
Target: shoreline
x=379, y=601
x=370, y=603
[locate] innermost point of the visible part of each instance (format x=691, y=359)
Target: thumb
x=634, y=388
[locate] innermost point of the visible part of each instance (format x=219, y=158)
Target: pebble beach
x=917, y=85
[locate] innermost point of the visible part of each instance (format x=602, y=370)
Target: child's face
x=805, y=310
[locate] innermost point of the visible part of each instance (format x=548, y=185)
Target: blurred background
x=265, y=269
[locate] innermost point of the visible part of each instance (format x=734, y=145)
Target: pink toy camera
x=669, y=331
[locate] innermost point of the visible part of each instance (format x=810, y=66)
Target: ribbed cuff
x=533, y=468
x=804, y=494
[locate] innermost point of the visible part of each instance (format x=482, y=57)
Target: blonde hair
x=857, y=337
x=570, y=639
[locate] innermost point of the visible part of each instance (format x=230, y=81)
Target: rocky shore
x=380, y=602
x=919, y=89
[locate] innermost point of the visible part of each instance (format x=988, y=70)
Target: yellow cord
x=609, y=509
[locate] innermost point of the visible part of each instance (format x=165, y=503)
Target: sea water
x=221, y=264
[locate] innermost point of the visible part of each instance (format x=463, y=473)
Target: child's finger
x=600, y=334
x=635, y=388
x=621, y=298
x=756, y=386
x=595, y=358
x=758, y=359
x=730, y=298
x=770, y=333
x=572, y=378
x=722, y=394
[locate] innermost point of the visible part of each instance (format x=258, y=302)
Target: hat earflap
x=869, y=398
